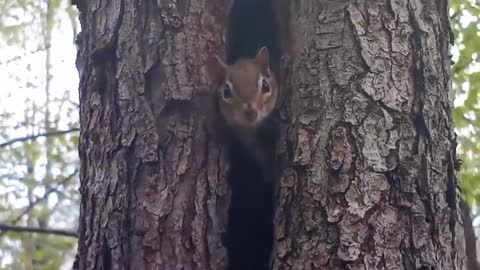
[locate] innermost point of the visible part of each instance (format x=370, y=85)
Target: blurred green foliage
x=38, y=177
x=465, y=24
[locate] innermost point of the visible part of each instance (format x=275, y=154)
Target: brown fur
x=248, y=107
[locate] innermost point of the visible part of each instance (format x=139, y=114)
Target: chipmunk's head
x=247, y=90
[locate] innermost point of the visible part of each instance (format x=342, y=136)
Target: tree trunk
x=470, y=238
x=152, y=185
x=368, y=178
x=372, y=183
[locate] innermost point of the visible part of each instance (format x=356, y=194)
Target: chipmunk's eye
x=227, y=92
x=265, y=87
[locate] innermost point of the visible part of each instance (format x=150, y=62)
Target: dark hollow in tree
x=253, y=25
x=249, y=237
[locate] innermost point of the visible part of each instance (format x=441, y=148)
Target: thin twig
x=32, y=137
x=44, y=197
x=18, y=57
x=13, y=228
x=26, y=210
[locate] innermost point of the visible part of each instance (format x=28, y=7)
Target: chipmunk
x=247, y=85
x=247, y=97
x=247, y=90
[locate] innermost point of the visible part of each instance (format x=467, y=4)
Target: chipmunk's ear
x=263, y=58
x=217, y=69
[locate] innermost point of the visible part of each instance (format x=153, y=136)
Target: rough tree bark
x=153, y=194
x=372, y=184
x=368, y=180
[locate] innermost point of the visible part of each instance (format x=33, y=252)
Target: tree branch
x=5, y=227
x=45, y=196
x=47, y=193
x=31, y=137
x=24, y=55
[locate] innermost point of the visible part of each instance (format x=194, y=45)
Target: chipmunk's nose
x=251, y=113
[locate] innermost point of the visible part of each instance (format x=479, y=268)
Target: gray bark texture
x=368, y=147
x=152, y=182
x=372, y=184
